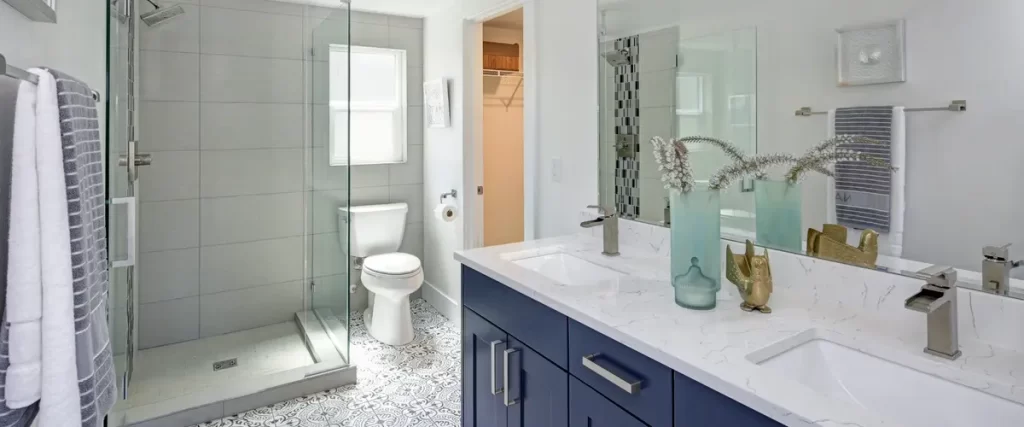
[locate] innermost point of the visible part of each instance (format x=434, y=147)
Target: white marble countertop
x=712, y=347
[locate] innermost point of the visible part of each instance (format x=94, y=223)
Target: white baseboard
x=442, y=303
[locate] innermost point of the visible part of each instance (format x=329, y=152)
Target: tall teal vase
x=778, y=217
x=696, y=247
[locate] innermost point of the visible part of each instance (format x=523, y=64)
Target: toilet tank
x=373, y=229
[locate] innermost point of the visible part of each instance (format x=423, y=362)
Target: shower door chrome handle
x=137, y=160
x=494, y=375
x=130, y=232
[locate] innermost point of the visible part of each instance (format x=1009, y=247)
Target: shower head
x=161, y=14
x=617, y=58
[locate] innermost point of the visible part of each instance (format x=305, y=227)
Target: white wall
x=442, y=155
x=76, y=44
x=963, y=169
x=564, y=85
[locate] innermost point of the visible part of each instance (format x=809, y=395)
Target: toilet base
x=389, y=321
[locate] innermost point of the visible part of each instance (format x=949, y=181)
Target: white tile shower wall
x=826, y=285
x=657, y=62
x=221, y=228
x=370, y=184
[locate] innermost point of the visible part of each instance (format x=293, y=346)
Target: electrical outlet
x=556, y=169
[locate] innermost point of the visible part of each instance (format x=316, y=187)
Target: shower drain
x=225, y=364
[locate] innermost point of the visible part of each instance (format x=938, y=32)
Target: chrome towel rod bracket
x=958, y=106
x=20, y=74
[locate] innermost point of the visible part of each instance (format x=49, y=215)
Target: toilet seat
x=395, y=265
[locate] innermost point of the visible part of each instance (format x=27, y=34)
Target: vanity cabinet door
x=483, y=345
x=587, y=408
x=699, y=406
x=538, y=390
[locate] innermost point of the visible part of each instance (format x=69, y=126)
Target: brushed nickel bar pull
x=494, y=375
x=627, y=386
x=508, y=388
x=957, y=106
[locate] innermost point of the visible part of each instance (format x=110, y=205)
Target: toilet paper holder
x=454, y=194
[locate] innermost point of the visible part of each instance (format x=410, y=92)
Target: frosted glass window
x=368, y=128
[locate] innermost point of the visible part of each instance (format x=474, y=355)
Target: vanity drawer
x=539, y=327
x=630, y=379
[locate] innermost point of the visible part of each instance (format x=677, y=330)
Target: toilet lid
x=395, y=264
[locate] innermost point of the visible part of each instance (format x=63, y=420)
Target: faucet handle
x=999, y=253
x=938, y=275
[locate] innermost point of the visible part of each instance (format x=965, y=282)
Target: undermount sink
x=911, y=397
x=569, y=270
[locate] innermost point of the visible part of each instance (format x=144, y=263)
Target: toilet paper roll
x=446, y=212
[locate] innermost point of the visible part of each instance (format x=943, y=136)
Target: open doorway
x=502, y=131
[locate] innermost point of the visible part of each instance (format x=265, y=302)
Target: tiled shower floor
x=170, y=371
x=414, y=385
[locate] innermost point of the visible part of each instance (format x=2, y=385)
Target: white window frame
x=401, y=110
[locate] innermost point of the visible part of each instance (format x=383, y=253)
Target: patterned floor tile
x=410, y=386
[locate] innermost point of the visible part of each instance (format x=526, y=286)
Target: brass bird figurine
x=752, y=275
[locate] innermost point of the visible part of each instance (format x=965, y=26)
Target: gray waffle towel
x=83, y=171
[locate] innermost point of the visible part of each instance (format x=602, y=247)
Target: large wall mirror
x=929, y=181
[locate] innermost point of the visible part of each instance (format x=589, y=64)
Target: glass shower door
x=329, y=264
x=122, y=189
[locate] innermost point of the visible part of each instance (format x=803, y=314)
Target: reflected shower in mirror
x=897, y=73
x=656, y=84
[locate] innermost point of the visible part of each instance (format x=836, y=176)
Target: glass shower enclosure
x=228, y=244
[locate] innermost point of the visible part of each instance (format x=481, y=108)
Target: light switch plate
x=556, y=169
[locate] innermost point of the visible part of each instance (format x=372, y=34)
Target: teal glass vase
x=696, y=247
x=778, y=216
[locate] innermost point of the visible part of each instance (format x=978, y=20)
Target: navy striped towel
x=863, y=191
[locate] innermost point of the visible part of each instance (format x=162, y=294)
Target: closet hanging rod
x=956, y=106
x=17, y=73
x=502, y=73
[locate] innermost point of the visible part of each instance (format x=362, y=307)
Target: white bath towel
x=890, y=243
x=59, y=405
x=24, y=269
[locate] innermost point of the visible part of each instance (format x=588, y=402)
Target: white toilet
x=375, y=235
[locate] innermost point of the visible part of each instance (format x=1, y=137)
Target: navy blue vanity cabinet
x=482, y=346
x=527, y=365
x=587, y=408
x=623, y=375
x=535, y=324
x=538, y=390
x=699, y=406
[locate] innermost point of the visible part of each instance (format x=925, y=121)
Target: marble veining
x=864, y=307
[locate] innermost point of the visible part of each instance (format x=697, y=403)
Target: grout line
x=201, y=294
x=300, y=15
x=199, y=101
x=236, y=55
x=199, y=173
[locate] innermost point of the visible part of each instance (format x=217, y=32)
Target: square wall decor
x=435, y=97
x=872, y=54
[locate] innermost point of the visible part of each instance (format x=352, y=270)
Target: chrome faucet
x=995, y=269
x=610, y=220
x=937, y=299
